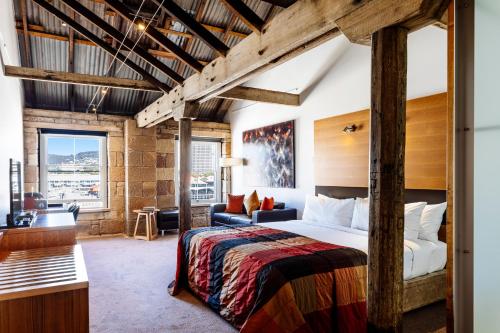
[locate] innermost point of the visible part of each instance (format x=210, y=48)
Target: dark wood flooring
x=431, y=318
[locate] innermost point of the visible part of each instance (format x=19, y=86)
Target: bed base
x=424, y=290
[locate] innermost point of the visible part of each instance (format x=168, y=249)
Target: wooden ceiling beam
x=157, y=36
x=360, y=24
x=237, y=93
x=112, y=65
x=38, y=31
x=36, y=74
x=214, y=28
x=71, y=65
x=224, y=104
x=222, y=30
x=170, y=55
x=99, y=42
x=30, y=87
x=290, y=33
x=261, y=95
x=194, y=26
x=119, y=37
x=222, y=109
x=187, y=43
x=245, y=14
x=281, y=3
x=165, y=31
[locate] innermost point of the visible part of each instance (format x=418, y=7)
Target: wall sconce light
x=227, y=162
x=350, y=129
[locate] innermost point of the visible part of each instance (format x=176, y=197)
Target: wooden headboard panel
x=411, y=195
x=341, y=159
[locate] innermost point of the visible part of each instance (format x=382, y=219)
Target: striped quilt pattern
x=266, y=280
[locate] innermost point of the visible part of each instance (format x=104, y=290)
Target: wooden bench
x=44, y=290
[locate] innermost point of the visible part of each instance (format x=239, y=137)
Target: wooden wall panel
x=341, y=159
x=450, y=326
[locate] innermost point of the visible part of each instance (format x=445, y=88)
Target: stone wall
x=140, y=171
x=141, y=164
x=104, y=221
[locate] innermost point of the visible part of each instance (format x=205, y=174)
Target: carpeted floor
x=128, y=289
x=128, y=292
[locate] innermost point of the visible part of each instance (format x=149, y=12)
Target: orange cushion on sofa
x=267, y=203
x=235, y=204
x=252, y=203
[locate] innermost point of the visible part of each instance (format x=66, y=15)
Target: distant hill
x=85, y=156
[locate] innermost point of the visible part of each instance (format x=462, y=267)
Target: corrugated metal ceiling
x=47, y=53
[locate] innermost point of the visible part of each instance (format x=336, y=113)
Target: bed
x=419, y=289
x=421, y=257
x=262, y=279
x=299, y=276
x=424, y=261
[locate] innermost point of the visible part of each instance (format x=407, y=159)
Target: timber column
x=387, y=182
x=185, y=162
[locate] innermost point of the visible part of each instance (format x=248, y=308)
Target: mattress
x=420, y=256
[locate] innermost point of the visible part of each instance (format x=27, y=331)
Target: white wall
x=11, y=122
x=334, y=79
x=486, y=167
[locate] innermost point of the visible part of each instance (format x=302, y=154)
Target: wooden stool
x=150, y=217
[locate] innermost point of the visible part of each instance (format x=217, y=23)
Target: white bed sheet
x=420, y=256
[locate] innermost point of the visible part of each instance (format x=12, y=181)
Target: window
x=205, y=173
x=73, y=167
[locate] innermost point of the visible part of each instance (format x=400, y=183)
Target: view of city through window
x=73, y=170
x=203, y=175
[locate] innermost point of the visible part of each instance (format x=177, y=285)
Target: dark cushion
x=224, y=217
x=168, y=219
x=167, y=225
x=279, y=205
x=168, y=215
x=240, y=219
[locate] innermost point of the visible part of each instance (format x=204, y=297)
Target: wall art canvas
x=269, y=155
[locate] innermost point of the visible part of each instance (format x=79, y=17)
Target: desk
x=48, y=230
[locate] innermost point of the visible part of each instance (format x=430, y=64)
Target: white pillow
x=413, y=213
x=360, y=214
x=313, y=209
x=430, y=222
x=337, y=211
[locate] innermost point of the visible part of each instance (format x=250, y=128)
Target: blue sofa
x=218, y=216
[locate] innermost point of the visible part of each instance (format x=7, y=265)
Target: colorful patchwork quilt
x=266, y=280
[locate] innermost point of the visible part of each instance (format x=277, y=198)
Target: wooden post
x=387, y=182
x=184, y=174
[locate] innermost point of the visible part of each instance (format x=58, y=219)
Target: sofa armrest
x=217, y=208
x=274, y=215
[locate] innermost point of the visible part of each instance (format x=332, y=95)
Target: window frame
x=218, y=171
x=103, y=167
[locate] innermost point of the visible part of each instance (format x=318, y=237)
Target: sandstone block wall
x=141, y=165
x=107, y=221
x=140, y=171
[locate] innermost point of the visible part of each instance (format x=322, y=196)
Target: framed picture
x=270, y=155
